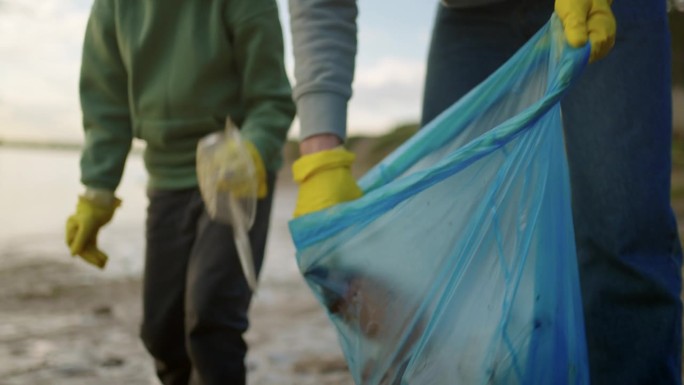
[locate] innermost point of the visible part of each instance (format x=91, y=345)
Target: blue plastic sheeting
x=458, y=265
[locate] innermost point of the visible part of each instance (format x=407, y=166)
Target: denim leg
x=169, y=238
x=469, y=44
x=217, y=298
x=618, y=131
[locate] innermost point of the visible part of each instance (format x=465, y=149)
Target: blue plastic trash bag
x=458, y=265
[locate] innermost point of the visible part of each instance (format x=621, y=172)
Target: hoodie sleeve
x=104, y=102
x=324, y=45
x=266, y=92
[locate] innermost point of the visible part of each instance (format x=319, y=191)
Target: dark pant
x=195, y=296
x=618, y=130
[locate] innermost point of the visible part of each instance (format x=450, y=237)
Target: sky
x=40, y=44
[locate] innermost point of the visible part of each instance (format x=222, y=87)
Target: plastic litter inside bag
x=458, y=265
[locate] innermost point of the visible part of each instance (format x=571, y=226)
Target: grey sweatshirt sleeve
x=324, y=45
x=467, y=3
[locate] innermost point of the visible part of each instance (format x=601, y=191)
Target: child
x=170, y=73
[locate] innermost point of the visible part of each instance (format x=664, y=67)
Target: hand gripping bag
x=458, y=265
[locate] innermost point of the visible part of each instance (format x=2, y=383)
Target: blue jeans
x=618, y=130
x=195, y=296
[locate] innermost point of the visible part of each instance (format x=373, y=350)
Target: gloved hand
x=259, y=168
x=590, y=20
x=228, y=162
x=83, y=226
x=324, y=180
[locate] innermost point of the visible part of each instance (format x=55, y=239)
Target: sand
x=63, y=322
x=59, y=328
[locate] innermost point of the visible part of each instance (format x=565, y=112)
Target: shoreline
x=67, y=323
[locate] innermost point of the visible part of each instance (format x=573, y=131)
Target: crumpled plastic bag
x=458, y=265
x=228, y=183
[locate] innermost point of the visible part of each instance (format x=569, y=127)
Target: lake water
x=39, y=189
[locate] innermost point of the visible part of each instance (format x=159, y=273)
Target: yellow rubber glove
x=324, y=180
x=236, y=184
x=590, y=20
x=262, y=185
x=83, y=226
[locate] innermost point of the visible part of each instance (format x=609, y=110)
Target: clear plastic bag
x=228, y=183
x=458, y=265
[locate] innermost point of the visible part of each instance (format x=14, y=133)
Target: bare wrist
x=320, y=142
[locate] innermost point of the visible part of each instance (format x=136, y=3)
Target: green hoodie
x=169, y=72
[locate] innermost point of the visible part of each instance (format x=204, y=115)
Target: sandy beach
x=59, y=328
x=64, y=322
